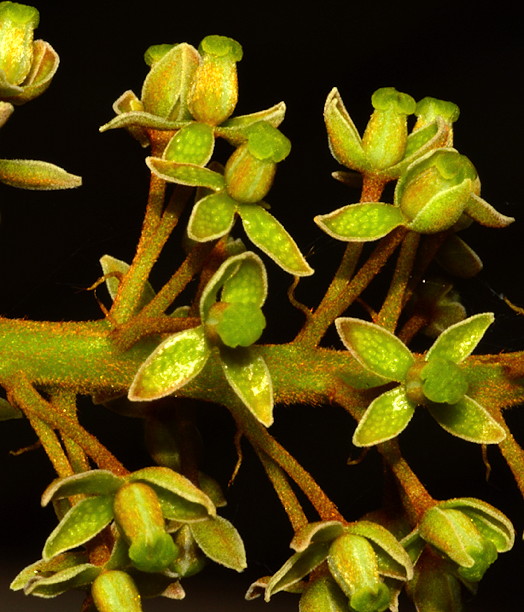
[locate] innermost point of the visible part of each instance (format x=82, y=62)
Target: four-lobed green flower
x=232, y=320
x=435, y=381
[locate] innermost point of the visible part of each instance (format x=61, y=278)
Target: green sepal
x=44, y=66
x=211, y=217
x=345, y=143
x=9, y=412
x=36, y=175
x=43, y=568
x=319, y=531
x=386, y=417
x=6, y=110
x=141, y=119
x=190, y=559
x=81, y=523
x=458, y=258
x=444, y=382
x=353, y=564
x=468, y=420
x=434, y=588
x=237, y=324
x=442, y=211
x=180, y=499
x=297, y=567
x=361, y=222
x=458, y=341
x=235, y=130
x=393, y=560
x=165, y=89
x=490, y=521
x=271, y=238
x=171, y=365
x=249, y=377
x=227, y=271
x=126, y=103
x=185, y=174
x=115, y=269
x=483, y=213
x=376, y=348
x=115, y=591
x=94, y=482
x=192, y=144
x=60, y=582
x=220, y=541
x=249, y=283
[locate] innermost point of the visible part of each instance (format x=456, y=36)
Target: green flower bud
x=17, y=23
x=250, y=170
x=190, y=560
x=434, y=192
x=323, y=594
x=115, y=591
x=455, y=535
x=214, y=94
x=236, y=323
x=139, y=516
x=353, y=564
x=384, y=140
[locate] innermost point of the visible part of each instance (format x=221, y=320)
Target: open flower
x=435, y=381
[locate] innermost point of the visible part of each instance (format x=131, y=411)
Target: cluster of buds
x=350, y=566
x=159, y=523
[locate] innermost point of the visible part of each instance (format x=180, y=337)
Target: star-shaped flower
x=435, y=381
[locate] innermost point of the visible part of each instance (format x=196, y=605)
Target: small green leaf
x=459, y=340
x=117, y=268
x=171, y=365
x=361, y=222
x=221, y=542
x=94, y=482
x=81, y=523
x=375, y=348
x=444, y=381
x=468, y=420
x=185, y=174
x=249, y=377
x=36, y=175
x=179, y=497
x=271, y=238
x=211, y=217
x=140, y=119
x=320, y=531
x=385, y=418
x=297, y=567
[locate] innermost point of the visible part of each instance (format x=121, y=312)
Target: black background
x=50, y=243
